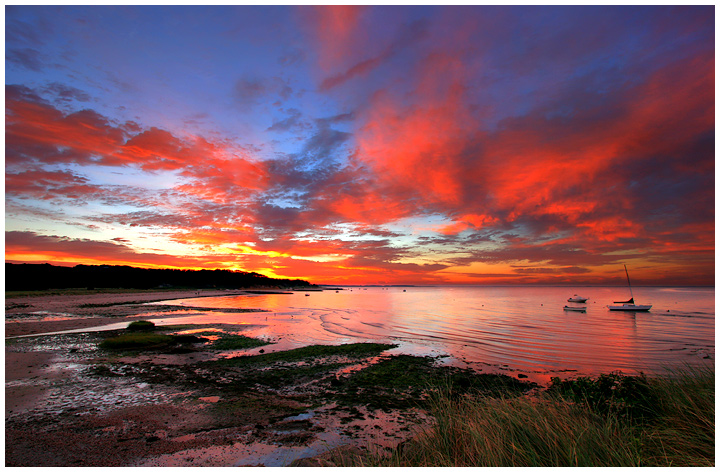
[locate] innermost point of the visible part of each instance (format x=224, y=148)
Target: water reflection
x=522, y=328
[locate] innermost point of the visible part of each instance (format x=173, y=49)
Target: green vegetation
x=251, y=408
x=139, y=340
x=356, y=350
x=512, y=432
x=290, y=369
x=139, y=335
x=480, y=420
x=684, y=432
x=225, y=341
x=283, y=376
x=403, y=381
x=230, y=342
x=141, y=326
x=144, y=335
x=404, y=372
x=667, y=421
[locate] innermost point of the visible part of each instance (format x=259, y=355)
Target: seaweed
x=403, y=381
x=356, y=351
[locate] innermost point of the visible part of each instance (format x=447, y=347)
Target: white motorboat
x=575, y=308
x=629, y=305
x=577, y=299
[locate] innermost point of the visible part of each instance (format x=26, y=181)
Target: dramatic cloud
x=367, y=144
x=45, y=185
x=336, y=29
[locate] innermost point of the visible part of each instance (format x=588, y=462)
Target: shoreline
x=194, y=406
x=33, y=314
x=62, y=391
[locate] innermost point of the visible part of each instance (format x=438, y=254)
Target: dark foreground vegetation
x=314, y=373
x=442, y=416
x=47, y=276
x=488, y=420
x=612, y=420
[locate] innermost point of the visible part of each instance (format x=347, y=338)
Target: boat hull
x=577, y=299
x=574, y=308
x=629, y=307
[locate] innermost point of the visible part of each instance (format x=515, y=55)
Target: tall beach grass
x=555, y=429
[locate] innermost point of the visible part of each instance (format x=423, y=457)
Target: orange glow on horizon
x=353, y=144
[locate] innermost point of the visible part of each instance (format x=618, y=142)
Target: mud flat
x=203, y=395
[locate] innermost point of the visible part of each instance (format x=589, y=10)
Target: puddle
x=301, y=416
x=332, y=429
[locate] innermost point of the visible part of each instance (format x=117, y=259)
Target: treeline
x=47, y=276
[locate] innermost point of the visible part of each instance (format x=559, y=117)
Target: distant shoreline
x=50, y=312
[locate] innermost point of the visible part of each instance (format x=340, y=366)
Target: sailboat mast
x=629, y=286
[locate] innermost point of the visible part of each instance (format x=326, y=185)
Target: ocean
x=489, y=328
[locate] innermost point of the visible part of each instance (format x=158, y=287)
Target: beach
x=64, y=406
x=339, y=377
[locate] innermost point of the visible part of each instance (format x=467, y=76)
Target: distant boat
x=629, y=305
x=577, y=299
x=575, y=308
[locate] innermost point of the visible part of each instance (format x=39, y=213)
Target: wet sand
x=40, y=314
x=56, y=414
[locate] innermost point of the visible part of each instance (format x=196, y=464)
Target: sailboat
x=629, y=305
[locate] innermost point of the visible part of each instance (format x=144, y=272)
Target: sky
x=365, y=144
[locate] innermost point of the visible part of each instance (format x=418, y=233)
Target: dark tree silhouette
x=47, y=276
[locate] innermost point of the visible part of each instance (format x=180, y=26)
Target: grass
x=230, y=342
x=141, y=326
x=404, y=372
x=138, y=340
x=139, y=335
x=225, y=341
x=356, y=350
x=515, y=432
x=672, y=424
x=629, y=397
x=403, y=381
x=684, y=433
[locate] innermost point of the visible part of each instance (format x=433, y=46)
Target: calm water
x=507, y=328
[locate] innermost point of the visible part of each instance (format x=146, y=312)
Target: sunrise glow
x=365, y=145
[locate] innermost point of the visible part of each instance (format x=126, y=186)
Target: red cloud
x=571, y=173
x=336, y=30
x=47, y=185
x=38, y=132
x=628, y=171
x=420, y=148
